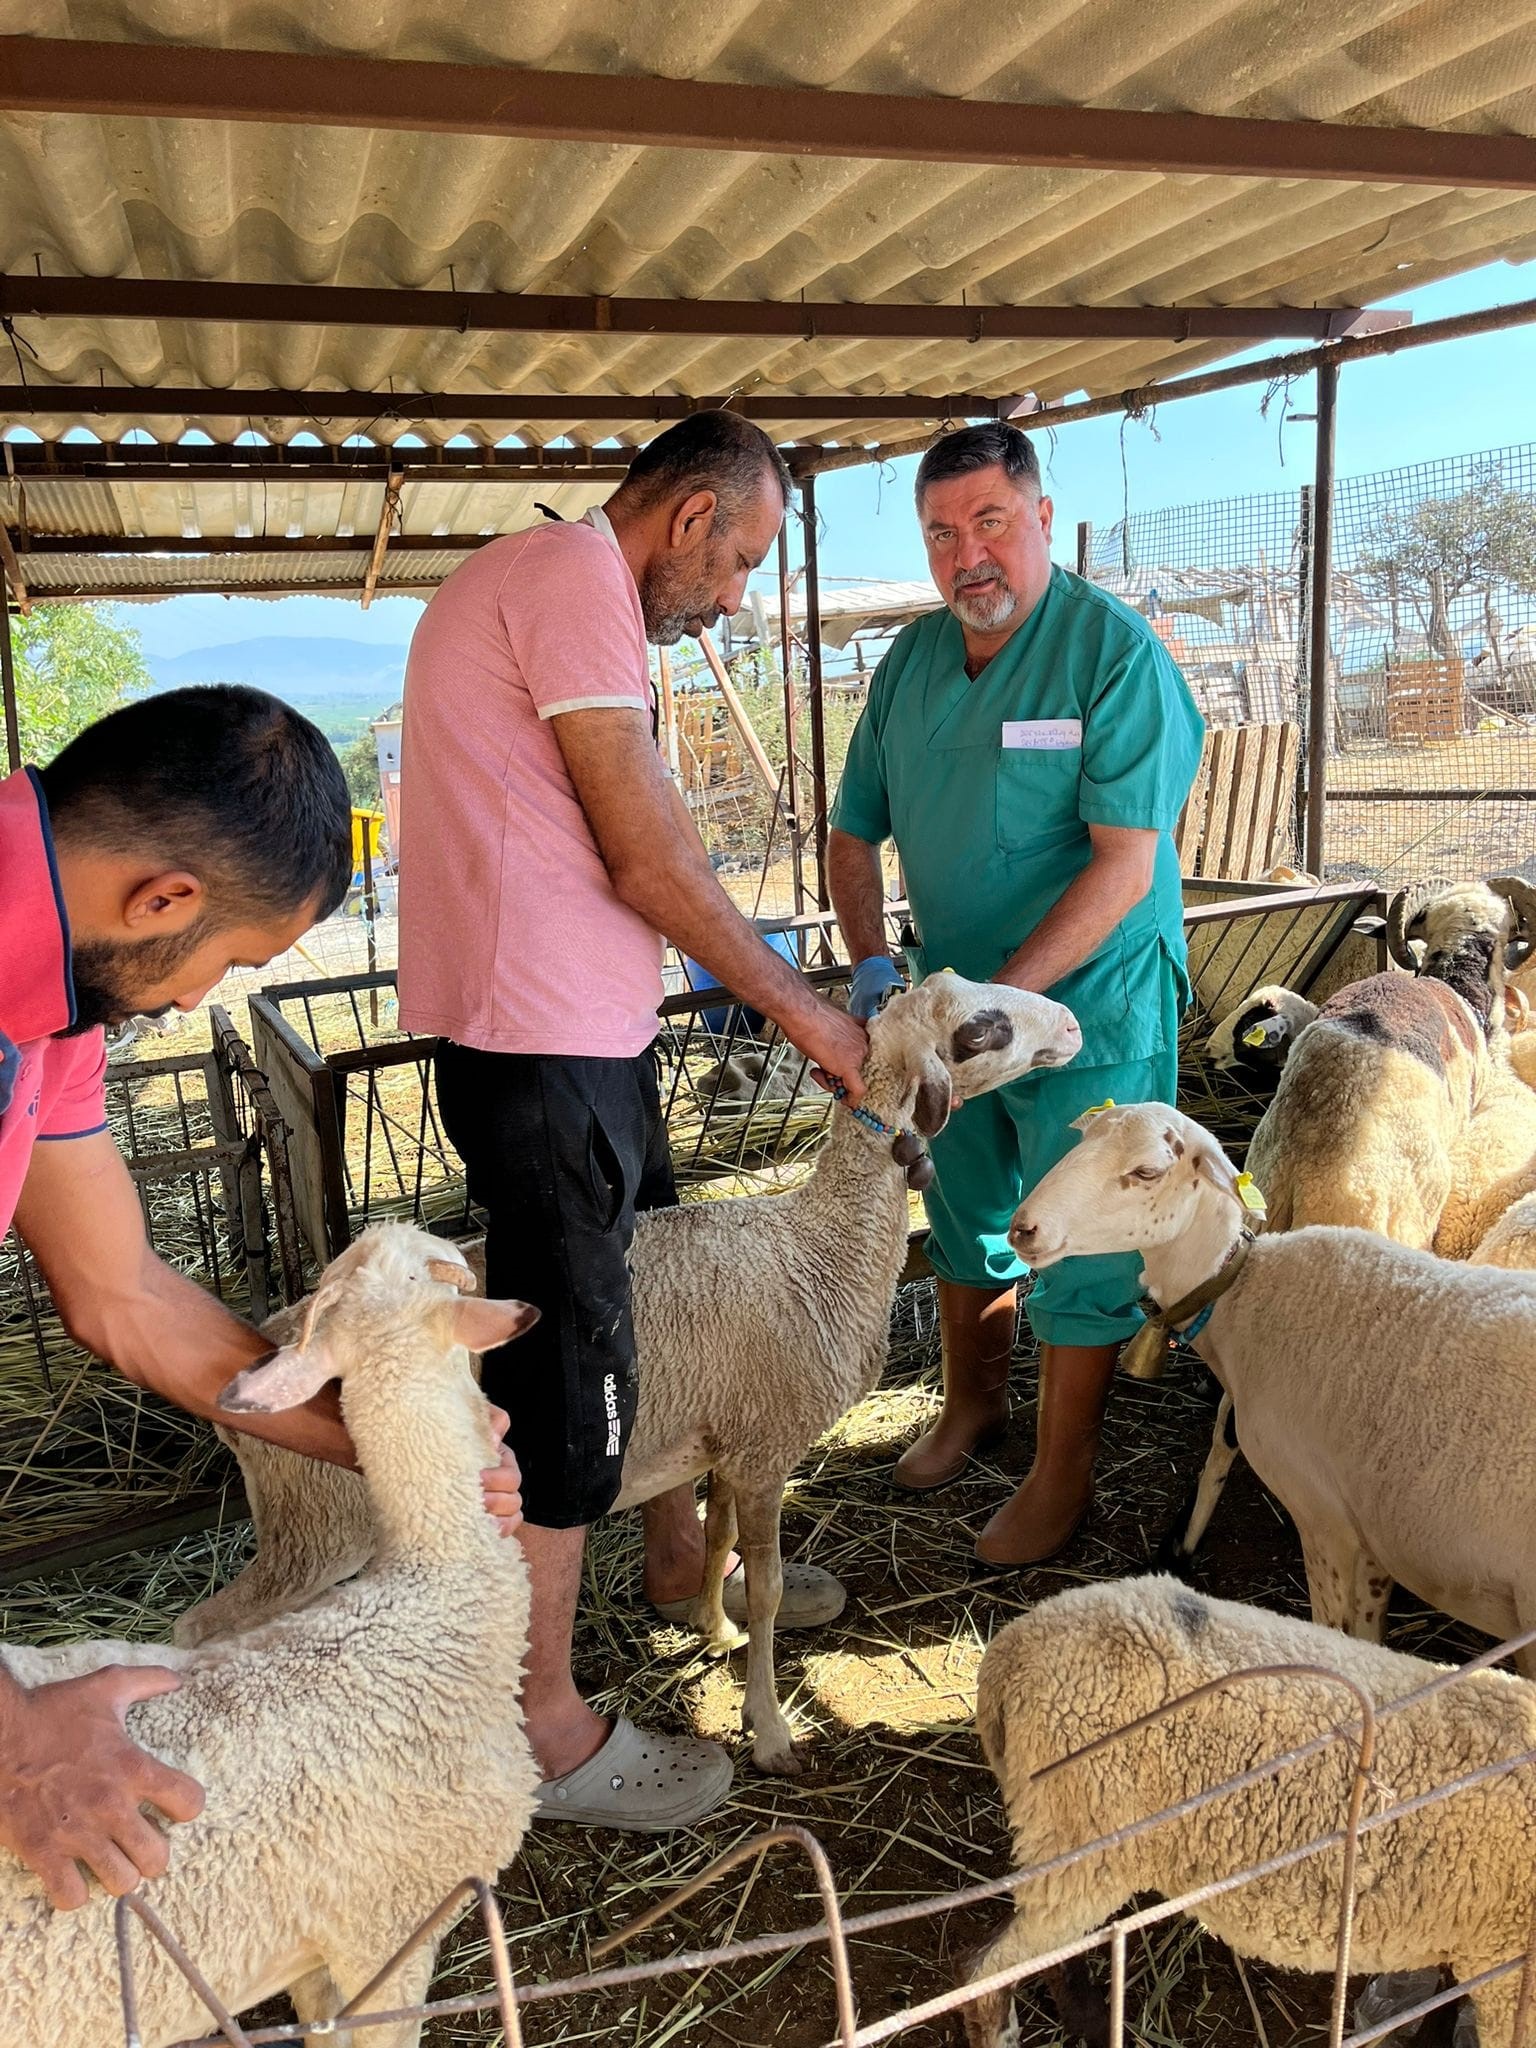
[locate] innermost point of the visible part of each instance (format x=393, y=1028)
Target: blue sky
x=1445, y=400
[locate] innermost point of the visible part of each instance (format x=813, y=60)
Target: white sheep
x=1452, y=1884
x=1254, y=1040
x=361, y=1756
x=758, y=1324
x=1386, y=1397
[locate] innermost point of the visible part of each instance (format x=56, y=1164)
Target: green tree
x=1473, y=545
x=74, y=663
x=360, y=764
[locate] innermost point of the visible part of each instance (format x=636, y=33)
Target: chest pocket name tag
x=1042, y=735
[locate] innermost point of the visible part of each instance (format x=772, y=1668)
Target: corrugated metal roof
x=129, y=576
x=211, y=200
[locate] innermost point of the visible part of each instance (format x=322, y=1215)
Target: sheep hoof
x=721, y=1641
x=783, y=1762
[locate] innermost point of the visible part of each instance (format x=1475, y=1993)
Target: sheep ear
x=286, y=1379
x=1215, y=1167
x=935, y=1093
x=482, y=1325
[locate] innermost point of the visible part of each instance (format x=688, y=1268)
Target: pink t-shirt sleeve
x=74, y=1103
x=572, y=626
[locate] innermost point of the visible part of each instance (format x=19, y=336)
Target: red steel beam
x=181, y=462
x=132, y=298
x=39, y=75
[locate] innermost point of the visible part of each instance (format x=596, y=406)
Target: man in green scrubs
x=1029, y=749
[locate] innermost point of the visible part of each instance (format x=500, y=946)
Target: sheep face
x=1134, y=1181
x=949, y=1039
x=1254, y=1040
x=1488, y=925
x=394, y=1276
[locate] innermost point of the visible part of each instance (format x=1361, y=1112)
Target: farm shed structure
x=402, y=276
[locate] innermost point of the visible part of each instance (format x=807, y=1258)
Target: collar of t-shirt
x=37, y=990
x=599, y=522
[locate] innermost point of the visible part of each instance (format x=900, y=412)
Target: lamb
x=1453, y=1884
x=361, y=1756
x=758, y=1324
x=1254, y=1040
x=1386, y=1397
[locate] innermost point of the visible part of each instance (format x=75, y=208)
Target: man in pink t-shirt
x=184, y=835
x=544, y=852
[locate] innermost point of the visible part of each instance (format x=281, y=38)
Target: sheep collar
x=1183, y=1321
x=867, y=1117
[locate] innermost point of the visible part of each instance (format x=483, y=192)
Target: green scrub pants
x=996, y=1148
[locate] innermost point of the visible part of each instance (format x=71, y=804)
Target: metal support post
x=791, y=722
x=818, y=705
x=1084, y=546
x=8, y=691
x=1319, y=707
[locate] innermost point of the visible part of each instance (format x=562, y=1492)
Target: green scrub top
x=989, y=787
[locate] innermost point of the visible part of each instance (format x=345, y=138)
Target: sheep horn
x=1522, y=897
x=1397, y=938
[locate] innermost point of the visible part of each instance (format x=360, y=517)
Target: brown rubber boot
x=1042, y=1515
x=977, y=1327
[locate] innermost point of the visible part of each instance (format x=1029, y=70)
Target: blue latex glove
x=873, y=981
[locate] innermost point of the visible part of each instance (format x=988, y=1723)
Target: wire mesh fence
x=1431, y=742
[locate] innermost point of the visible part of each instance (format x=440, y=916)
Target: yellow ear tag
x=1254, y=1036
x=1100, y=1107
x=1248, y=1194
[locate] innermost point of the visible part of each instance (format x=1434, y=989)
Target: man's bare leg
x=674, y=1545
x=562, y=1728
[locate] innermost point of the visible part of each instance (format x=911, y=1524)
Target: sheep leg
x=1053, y=1916
x=758, y=1510
x=1348, y=1589
x=320, y=1996
x=709, y=1617
x=1495, y=2008
x=1219, y=1460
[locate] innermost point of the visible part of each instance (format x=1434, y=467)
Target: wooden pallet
x=1426, y=700
x=1239, y=820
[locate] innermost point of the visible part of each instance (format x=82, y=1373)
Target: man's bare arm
x=857, y=887
x=80, y=1215
x=658, y=866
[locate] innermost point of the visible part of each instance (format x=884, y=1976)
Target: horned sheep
x=1451, y=1884
x=1386, y=1397
x=362, y=1755
x=758, y=1324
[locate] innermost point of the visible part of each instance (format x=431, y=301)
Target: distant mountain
x=296, y=670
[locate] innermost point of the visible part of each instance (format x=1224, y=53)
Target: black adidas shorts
x=561, y=1153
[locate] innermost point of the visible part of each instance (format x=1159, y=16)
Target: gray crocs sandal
x=640, y=1782
x=811, y=1598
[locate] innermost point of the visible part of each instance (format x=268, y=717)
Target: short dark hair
x=708, y=451
x=224, y=781
x=997, y=445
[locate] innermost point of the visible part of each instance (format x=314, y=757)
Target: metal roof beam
x=40, y=75
x=278, y=305
x=174, y=401
x=46, y=544
x=178, y=462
